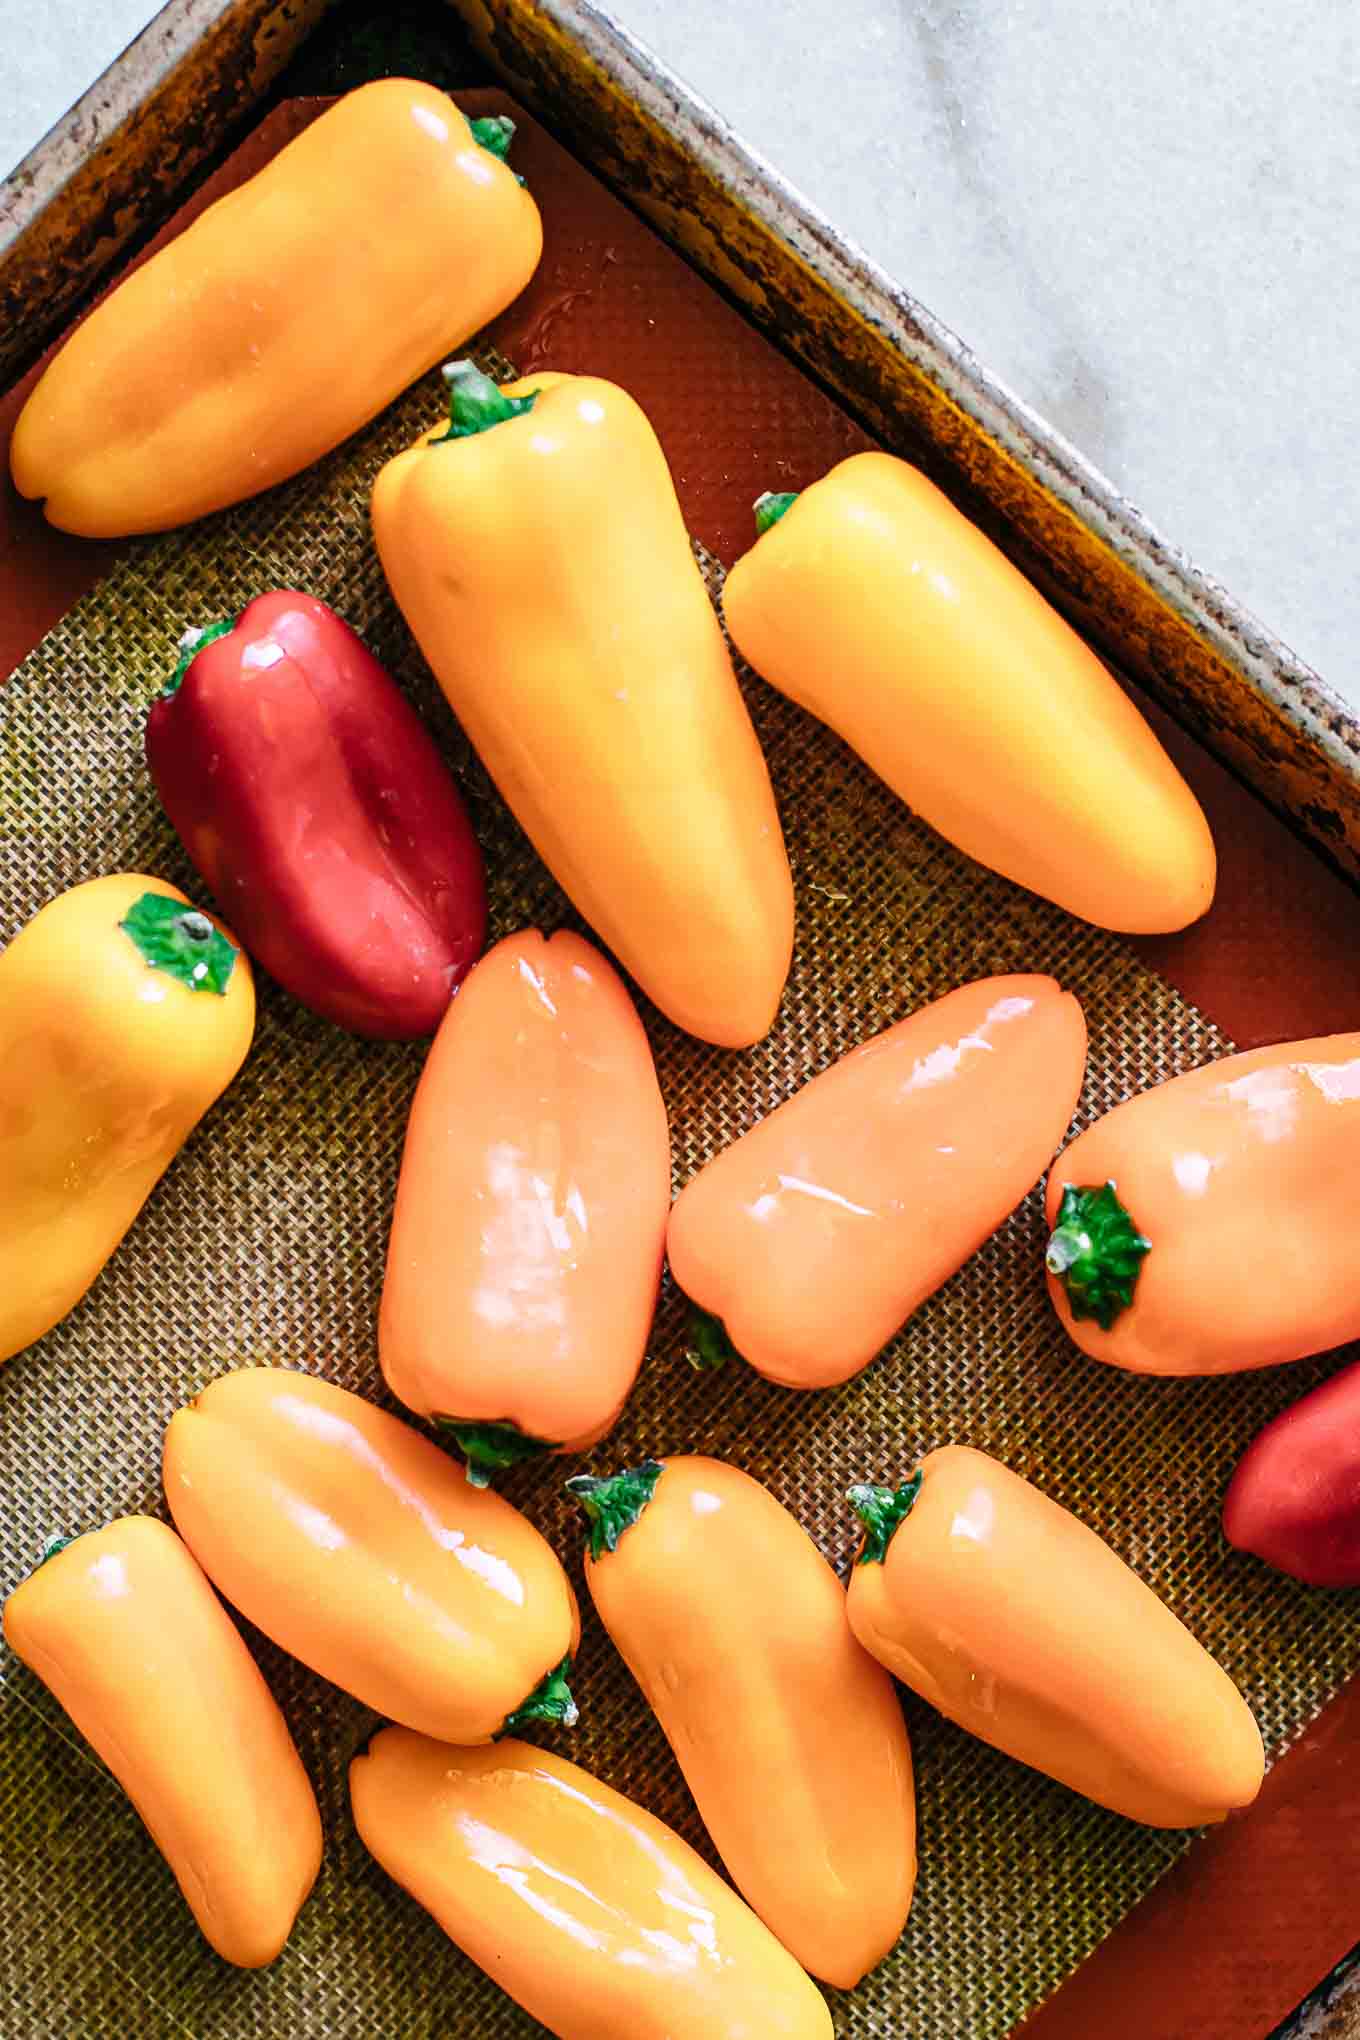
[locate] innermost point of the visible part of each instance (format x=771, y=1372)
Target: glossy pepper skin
x=594, y=1917
x=874, y=603
x=1295, y=1497
x=788, y=1733
x=126, y=1632
x=108, y=1060
x=815, y=1235
x=542, y=563
x=525, y=1255
x=314, y=803
x=282, y=319
x=360, y=1548
x=1021, y=1625
x=1209, y=1224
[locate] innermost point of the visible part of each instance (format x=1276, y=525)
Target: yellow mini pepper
x=538, y=553
x=876, y=606
x=283, y=318
x=124, y=1012
x=134, y=1643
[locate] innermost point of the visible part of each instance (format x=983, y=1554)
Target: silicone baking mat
x=265, y=1243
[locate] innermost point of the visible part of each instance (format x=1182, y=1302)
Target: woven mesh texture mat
x=265, y=1242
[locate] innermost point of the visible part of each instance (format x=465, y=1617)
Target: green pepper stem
x=490, y=1448
x=475, y=402
x=177, y=939
x=494, y=132
x=614, y=1504
x=769, y=508
x=709, y=1346
x=881, y=1510
x=1096, y=1252
x=189, y=647
x=550, y=1701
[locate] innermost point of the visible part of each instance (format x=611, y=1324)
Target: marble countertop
x=1142, y=218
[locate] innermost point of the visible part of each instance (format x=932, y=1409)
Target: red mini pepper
x=315, y=803
x=1295, y=1497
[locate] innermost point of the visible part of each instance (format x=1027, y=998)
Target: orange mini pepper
x=538, y=553
x=595, y=1917
x=124, y=1014
x=1209, y=1225
x=788, y=1733
x=283, y=318
x=123, y=1628
x=815, y=1235
x=531, y=1209
x=357, y=1545
x=1014, y=1619
x=874, y=603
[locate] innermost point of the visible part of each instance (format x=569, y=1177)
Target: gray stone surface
x=1142, y=215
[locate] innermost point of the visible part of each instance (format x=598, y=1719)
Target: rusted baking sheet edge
x=115, y=163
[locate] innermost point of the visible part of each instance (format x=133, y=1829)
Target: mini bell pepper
x=124, y=1013
x=594, y=1917
x=1017, y=1622
x=1295, y=1497
x=874, y=604
x=808, y=1241
x=360, y=1548
x=539, y=555
x=134, y=1643
x=283, y=318
x=1209, y=1224
x=314, y=803
x=531, y=1209
x=788, y=1733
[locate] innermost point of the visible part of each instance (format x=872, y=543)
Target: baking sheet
x=266, y=1241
